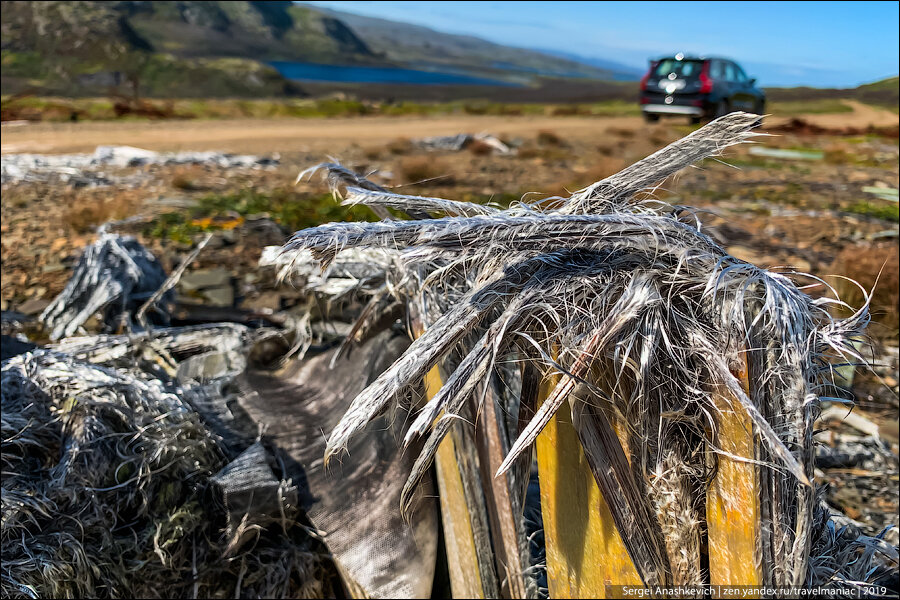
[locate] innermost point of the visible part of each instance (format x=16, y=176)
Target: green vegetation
x=166, y=49
x=285, y=206
x=63, y=109
x=290, y=209
x=887, y=211
x=884, y=93
x=147, y=75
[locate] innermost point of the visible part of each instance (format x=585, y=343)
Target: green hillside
x=166, y=48
x=178, y=48
x=885, y=92
x=410, y=44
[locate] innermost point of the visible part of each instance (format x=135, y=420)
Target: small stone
x=892, y=536
x=33, y=306
x=205, y=278
x=228, y=236
x=53, y=267
x=219, y=296
x=264, y=302
x=215, y=241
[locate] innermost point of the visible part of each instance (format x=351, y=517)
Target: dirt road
x=255, y=136
x=260, y=136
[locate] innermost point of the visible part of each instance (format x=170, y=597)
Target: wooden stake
x=462, y=557
x=732, y=502
x=585, y=553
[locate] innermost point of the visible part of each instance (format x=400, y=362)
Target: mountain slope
x=218, y=48
x=884, y=93
x=258, y=30
x=166, y=48
x=421, y=46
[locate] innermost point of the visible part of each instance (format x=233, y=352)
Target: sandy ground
x=260, y=136
x=863, y=115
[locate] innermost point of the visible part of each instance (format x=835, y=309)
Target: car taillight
x=644, y=81
x=705, y=81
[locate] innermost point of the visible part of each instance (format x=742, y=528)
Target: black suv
x=699, y=88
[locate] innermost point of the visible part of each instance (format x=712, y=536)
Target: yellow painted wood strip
x=585, y=553
x=732, y=502
x=462, y=559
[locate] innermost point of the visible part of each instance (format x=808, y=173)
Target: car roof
x=694, y=57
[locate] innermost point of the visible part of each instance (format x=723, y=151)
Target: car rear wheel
x=759, y=107
x=651, y=117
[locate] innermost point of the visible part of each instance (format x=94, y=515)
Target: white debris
x=455, y=143
x=82, y=169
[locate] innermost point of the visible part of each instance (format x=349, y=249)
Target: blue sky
x=823, y=44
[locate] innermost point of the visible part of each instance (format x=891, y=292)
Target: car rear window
x=681, y=68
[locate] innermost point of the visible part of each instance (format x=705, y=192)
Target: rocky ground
x=832, y=211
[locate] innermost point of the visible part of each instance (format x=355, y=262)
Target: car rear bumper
x=672, y=109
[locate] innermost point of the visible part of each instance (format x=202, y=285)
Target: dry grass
x=420, y=168
x=372, y=152
x=545, y=137
x=400, y=145
x=601, y=168
x=188, y=179
x=838, y=154
x=480, y=148
x=863, y=264
x=661, y=135
x=609, y=149
x=530, y=150
x=86, y=212
x=621, y=132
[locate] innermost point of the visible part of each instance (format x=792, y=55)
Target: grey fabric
x=355, y=504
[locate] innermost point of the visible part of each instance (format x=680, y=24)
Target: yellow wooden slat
x=584, y=552
x=462, y=559
x=732, y=502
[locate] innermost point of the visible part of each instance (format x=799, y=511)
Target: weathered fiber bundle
x=115, y=275
x=117, y=484
x=647, y=322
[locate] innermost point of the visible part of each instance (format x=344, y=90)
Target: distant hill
x=415, y=45
x=258, y=30
x=885, y=92
x=167, y=48
x=208, y=48
x=618, y=71
x=162, y=48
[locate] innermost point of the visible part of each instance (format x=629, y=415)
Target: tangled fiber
x=114, y=275
x=645, y=320
x=115, y=484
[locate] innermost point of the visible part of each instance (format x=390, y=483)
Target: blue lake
x=300, y=71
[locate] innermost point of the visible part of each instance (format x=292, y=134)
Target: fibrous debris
x=645, y=319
